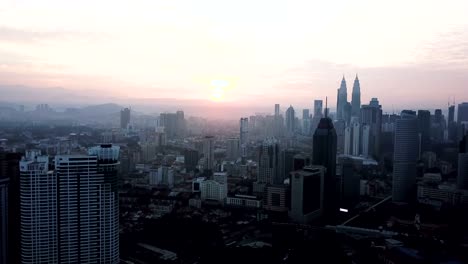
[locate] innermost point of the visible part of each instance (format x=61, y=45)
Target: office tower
x=318, y=111
x=305, y=121
x=438, y=126
x=372, y=115
x=300, y=161
x=233, y=149
x=452, y=125
x=268, y=163
x=290, y=120
x=180, y=124
x=287, y=162
x=349, y=183
x=356, y=98
x=164, y=176
x=324, y=154
x=169, y=122
x=307, y=194
x=347, y=113
x=340, y=128
x=277, y=109
x=9, y=207
x=208, y=152
x=124, y=118
x=462, y=179
x=462, y=114
x=342, y=100
x=424, y=130
x=39, y=211
x=191, y=158
x=244, y=137
x=405, y=156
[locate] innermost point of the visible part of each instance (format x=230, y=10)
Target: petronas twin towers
x=344, y=109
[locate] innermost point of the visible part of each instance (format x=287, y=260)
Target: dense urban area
x=107, y=184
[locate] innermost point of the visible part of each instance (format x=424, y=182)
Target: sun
x=218, y=89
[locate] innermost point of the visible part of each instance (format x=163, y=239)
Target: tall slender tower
x=324, y=154
x=356, y=98
x=342, y=100
x=405, y=156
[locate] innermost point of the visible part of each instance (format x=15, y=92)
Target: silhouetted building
x=244, y=137
x=462, y=179
x=307, y=194
x=324, y=154
x=452, y=125
x=233, y=149
x=462, y=114
x=191, y=158
x=405, y=157
x=124, y=118
x=268, y=169
x=424, y=130
x=9, y=207
x=356, y=98
x=287, y=162
x=371, y=115
x=208, y=152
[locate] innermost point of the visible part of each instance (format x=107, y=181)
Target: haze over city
x=232, y=56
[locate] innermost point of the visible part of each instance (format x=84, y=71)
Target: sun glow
x=218, y=89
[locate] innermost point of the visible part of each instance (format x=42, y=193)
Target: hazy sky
x=406, y=52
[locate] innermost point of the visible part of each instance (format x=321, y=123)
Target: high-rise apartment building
x=405, y=157
x=233, y=149
x=70, y=215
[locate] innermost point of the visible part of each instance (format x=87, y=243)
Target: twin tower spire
x=344, y=109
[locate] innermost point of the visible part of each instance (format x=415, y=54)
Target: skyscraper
x=9, y=205
x=462, y=114
x=277, y=109
x=290, y=120
x=342, y=100
x=372, y=115
x=305, y=121
x=39, y=206
x=232, y=152
x=124, y=118
x=462, y=179
x=318, y=108
x=244, y=137
x=324, y=154
x=208, y=152
x=268, y=168
x=70, y=215
x=356, y=98
x=405, y=156
x=424, y=130
x=191, y=158
x=452, y=125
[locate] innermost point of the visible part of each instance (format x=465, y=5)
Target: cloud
x=23, y=36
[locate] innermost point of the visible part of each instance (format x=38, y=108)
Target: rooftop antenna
x=326, y=106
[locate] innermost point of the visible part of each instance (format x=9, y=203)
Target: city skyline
x=203, y=52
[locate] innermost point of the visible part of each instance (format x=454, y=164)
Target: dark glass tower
x=424, y=130
x=324, y=153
